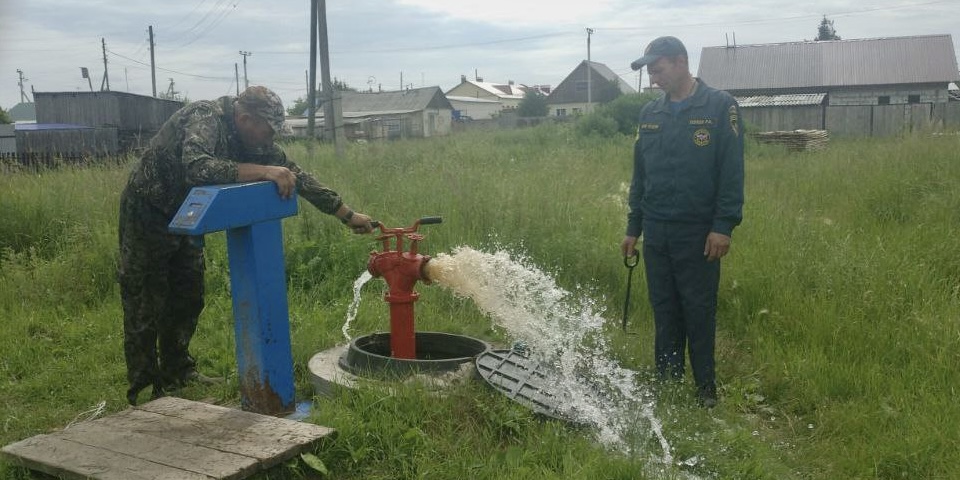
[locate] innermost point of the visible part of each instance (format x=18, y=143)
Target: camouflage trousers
x=161, y=289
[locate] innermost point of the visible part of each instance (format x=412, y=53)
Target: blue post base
x=251, y=213
x=264, y=358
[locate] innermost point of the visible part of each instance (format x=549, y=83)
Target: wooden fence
x=857, y=120
x=35, y=161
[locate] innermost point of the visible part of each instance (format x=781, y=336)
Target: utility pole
x=589, y=75
x=332, y=123
x=23, y=94
x=153, y=64
x=171, y=93
x=236, y=76
x=106, y=75
x=246, y=83
x=312, y=75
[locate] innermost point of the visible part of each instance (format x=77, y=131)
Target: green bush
x=597, y=124
x=617, y=116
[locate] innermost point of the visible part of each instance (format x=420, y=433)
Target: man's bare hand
x=717, y=246
x=282, y=176
x=360, y=223
x=285, y=179
x=628, y=247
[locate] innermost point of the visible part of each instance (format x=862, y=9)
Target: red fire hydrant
x=401, y=270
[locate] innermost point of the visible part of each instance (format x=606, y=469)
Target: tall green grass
x=838, y=324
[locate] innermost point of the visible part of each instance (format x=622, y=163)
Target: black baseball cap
x=660, y=47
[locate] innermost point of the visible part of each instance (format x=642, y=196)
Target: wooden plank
x=169, y=438
x=194, y=433
x=277, y=429
x=70, y=460
x=270, y=440
x=199, y=459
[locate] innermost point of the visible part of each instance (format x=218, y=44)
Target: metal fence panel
x=849, y=121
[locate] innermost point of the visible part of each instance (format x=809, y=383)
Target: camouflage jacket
x=199, y=145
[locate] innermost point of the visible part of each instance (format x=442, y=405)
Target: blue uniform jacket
x=688, y=165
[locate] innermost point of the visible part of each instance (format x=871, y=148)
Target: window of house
x=561, y=112
x=913, y=98
x=577, y=111
x=884, y=100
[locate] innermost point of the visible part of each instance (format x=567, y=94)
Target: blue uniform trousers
x=682, y=286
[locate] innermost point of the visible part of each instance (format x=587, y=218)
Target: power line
x=213, y=25
x=202, y=19
x=438, y=47
x=205, y=77
x=189, y=15
x=225, y=9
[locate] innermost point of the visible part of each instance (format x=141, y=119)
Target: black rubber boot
x=707, y=396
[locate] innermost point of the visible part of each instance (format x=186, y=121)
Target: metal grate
x=522, y=380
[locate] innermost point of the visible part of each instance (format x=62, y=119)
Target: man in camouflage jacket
x=227, y=140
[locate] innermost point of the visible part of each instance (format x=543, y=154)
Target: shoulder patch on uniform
x=734, y=120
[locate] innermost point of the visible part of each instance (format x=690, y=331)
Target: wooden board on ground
x=168, y=438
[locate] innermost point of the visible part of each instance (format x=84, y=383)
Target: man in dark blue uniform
x=686, y=197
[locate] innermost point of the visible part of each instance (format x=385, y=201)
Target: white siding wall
x=568, y=109
x=897, y=96
x=476, y=110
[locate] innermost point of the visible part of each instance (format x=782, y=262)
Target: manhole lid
x=521, y=379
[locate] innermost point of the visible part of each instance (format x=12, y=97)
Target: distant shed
x=873, y=86
x=136, y=118
x=8, y=140
x=783, y=112
x=67, y=140
x=414, y=113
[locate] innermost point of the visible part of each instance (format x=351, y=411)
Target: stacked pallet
x=796, y=140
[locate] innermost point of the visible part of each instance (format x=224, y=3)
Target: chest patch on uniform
x=647, y=128
x=705, y=122
x=701, y=137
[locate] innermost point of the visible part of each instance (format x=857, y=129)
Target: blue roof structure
x=33, y=127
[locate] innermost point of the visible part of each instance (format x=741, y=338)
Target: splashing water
x=562, y=332
x=352, y=311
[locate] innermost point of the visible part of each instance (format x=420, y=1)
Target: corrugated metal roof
x=781, y=100
x=382, y=103
x=471, y=99
x=500, y=90
x=839, y=63
x=610, y=75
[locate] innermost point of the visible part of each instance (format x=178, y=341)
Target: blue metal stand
x=250, y=213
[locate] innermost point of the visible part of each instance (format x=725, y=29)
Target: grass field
x=838, y=331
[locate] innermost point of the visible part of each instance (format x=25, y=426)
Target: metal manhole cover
x=521, y=379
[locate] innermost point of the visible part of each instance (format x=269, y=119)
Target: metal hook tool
x=630, y=264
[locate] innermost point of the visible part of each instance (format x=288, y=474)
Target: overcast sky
x=381, y=43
